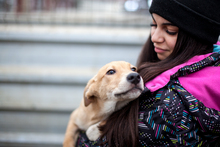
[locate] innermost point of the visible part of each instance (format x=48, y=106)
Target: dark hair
x=121, y=128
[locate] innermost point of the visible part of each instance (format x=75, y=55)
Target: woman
x=180, y=105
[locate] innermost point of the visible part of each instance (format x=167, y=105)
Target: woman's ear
x=90, y=92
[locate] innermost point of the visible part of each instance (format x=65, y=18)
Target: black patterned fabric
x=171, y=116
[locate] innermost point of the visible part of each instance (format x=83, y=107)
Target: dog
x=115, y=85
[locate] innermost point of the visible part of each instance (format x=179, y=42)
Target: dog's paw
x=93, y=132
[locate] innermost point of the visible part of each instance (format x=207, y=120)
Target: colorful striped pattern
x=174, y=117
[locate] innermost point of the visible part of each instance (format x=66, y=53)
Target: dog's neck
x=121, y=104
x=111, y=106
x=104, y=110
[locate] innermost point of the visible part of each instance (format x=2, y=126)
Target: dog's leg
x=71, y=134
x=93, y=132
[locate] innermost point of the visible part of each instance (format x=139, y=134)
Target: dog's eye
x=110, y=72
x=133, y=69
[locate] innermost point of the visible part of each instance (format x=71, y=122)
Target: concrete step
x=42, y=88
x=20, y=139
x=43, y=72
x=32, y=128
x=68, y=47
x=46, y=74
x=34, y=121
x=47, y=68
x=74, y=34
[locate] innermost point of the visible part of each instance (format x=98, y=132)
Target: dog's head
x=117, y=81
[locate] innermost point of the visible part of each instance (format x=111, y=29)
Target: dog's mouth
x=130, y=90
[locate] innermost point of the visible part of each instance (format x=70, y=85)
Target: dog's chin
x=132, y=93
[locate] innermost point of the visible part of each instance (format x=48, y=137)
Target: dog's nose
x=134, y=78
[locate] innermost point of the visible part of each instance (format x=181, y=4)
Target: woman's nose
x=156, y=36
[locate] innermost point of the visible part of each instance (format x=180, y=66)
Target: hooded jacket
x=181, y=106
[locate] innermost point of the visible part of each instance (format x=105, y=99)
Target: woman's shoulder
x=193, y=65
x=202, y=80
x=199, y=76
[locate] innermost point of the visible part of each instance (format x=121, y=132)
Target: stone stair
x=43, y=72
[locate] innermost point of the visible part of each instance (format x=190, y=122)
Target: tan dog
x=115, y=85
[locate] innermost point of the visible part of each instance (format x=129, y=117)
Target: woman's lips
x=158, y=50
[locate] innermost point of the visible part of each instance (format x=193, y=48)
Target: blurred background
x=49, y=49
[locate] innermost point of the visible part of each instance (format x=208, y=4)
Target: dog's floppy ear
x=90, y=92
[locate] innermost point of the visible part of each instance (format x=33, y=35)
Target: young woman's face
x=163, y=35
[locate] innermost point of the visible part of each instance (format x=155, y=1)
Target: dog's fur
x=112, y=88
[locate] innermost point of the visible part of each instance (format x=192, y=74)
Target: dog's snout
x=134, y=78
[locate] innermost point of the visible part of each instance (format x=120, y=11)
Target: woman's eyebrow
x=168, y=24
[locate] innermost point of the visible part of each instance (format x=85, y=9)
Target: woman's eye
x=110, y=72
x=133, y=69
x=153, y=25
x=171, y=32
